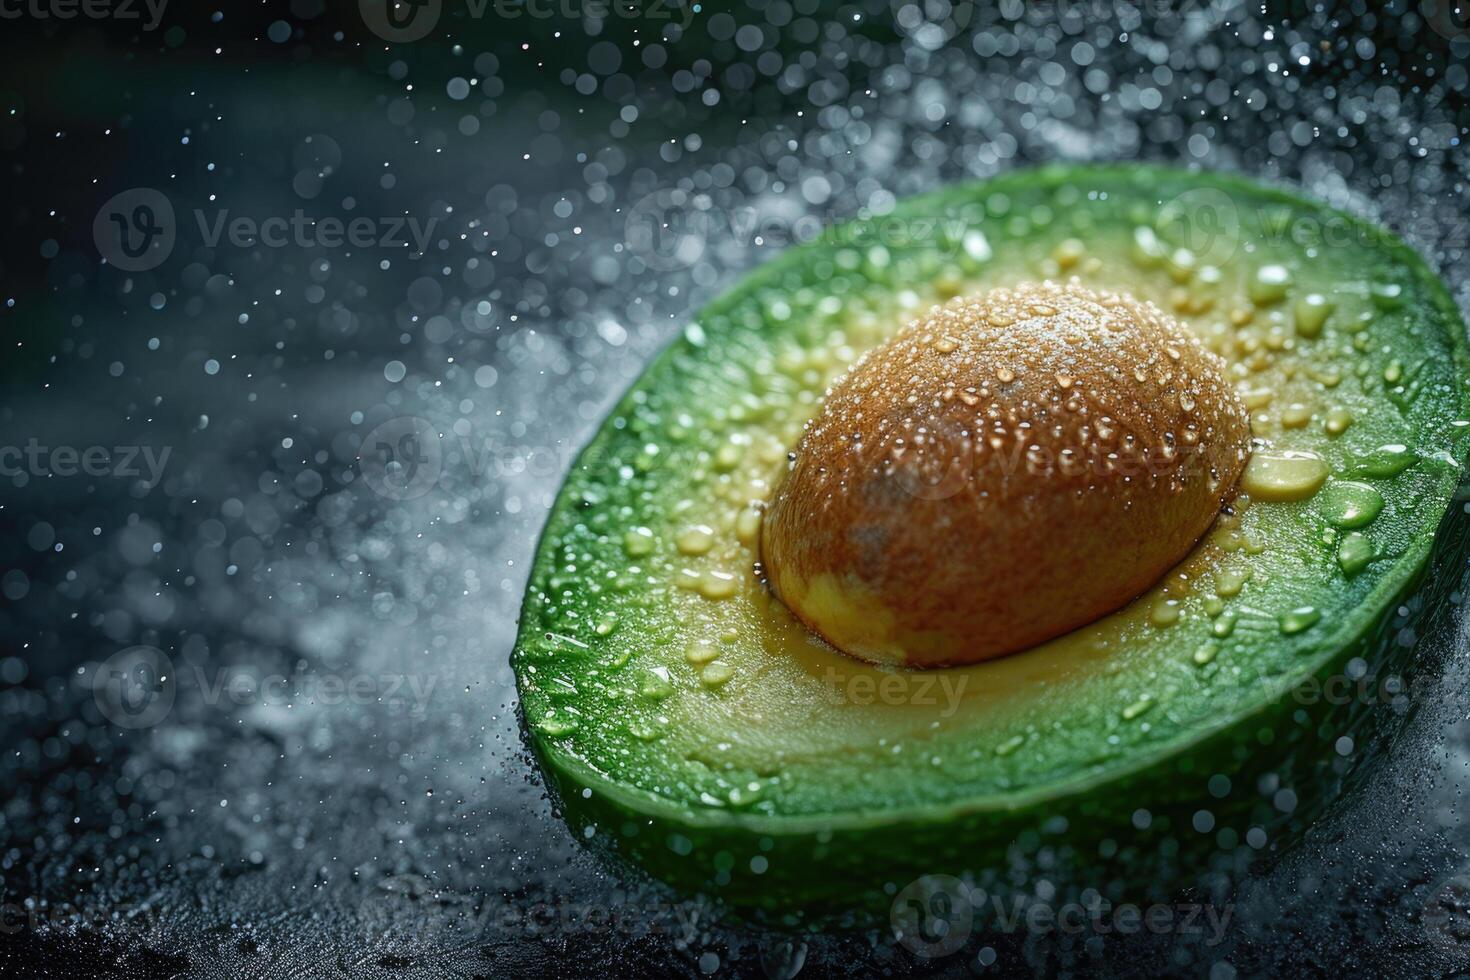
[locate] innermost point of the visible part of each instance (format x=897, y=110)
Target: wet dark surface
x=374, y=812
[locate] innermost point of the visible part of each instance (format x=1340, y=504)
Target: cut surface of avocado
x=659, y=675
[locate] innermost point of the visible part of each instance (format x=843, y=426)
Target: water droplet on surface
x=638, y=542
x=695, y=540
x=1270, y=284
x=1384, y=462
x=718, y=585
x=701, y=652
x=1299, y=619
x=716, y=675
x=1386, y=295
x=1165, y=612
x=1354, y=554
x=555, y=726
x=1137, y=707
x=656, y=685
x=1229, y=581
x=1283, y=475
x=1312, y=311
x=1347, y=504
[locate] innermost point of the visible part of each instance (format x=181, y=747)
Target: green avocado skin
x=1143, y=834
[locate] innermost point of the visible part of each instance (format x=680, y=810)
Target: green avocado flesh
x=700, y=730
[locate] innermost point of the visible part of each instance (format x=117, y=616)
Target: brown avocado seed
x=1005, y=469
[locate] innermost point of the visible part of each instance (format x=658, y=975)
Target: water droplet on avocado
x=1299, y=619
x=701, y=652
x=716, y=675
x=638, y=542
x=1010, y=745
x=1354, y=554
x=1137, y=707
x=1312, y=311
x=1165, y=612
x=695, y=540
x=1205, y=654
x=1068, y=253
x=746, y=795
x=1229, y=581
x=1270, y=284
x=1295, y=416
x=1347, y=504
x=1147, y=249
x=718, y=585
x=1283, y=475
x=1386, y=295
x=1384, y=462
x=555, y=726
x=647, y=730
x=655, y=685
x=1223, y=626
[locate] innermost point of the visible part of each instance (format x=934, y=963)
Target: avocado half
x=690, y=724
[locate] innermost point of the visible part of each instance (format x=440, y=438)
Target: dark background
x=402, y=831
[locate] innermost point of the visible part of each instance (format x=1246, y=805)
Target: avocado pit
x=1005, y=469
